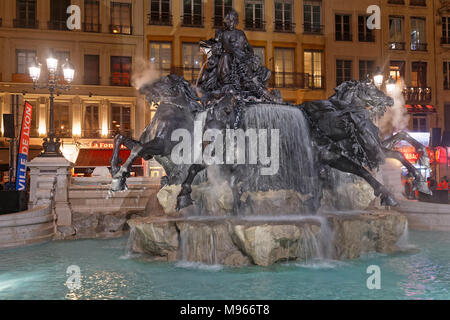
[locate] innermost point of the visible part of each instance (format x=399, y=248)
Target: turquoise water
x=39, y=272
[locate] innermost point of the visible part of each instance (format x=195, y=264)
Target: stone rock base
x=238, y=242
x=96, y=225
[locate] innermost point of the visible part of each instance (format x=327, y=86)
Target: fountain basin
x=265, y=241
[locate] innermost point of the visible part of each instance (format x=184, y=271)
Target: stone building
x=310, y=46
x=104, y=52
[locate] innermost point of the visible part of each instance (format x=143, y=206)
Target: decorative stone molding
x=49, y=183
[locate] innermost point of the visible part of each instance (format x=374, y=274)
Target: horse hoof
x=388, y=201
x=118, y=185
x=184, y=201
x=423, y=188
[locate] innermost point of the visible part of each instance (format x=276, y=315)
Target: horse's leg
x=344, y=164
x=424, y=160
x=184, y=197
x=419, y=181
x=139, y=150
x=118, y=141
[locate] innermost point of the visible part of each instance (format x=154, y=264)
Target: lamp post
x=51, y=142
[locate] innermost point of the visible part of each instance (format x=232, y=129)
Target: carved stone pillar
x=49, y=182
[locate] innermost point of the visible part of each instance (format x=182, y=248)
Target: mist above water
x=145, y=73
x=396, y=117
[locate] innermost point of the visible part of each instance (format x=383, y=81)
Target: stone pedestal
x=49, y=182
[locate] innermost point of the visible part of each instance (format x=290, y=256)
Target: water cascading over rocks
x=297, y=164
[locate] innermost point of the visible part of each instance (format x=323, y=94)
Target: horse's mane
x=171, y=86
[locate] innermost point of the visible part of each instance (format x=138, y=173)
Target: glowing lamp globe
x=52, y=64
x=69, y=71
x=35, y=71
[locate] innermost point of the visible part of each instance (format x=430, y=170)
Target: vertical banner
x=24, y=148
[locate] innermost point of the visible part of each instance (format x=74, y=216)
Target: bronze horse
x=342, y=132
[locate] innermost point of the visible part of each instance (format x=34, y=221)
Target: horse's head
x=364, y=94
x=172, y=89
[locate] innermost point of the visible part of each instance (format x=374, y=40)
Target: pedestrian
x=440, y=185
x=11, y=185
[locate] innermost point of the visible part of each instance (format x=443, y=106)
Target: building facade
x=311, y=46
x=104, y=51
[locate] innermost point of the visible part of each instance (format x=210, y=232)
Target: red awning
x=90, y=158
x=420, y=108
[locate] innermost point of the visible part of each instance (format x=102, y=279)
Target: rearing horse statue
x=342, y=133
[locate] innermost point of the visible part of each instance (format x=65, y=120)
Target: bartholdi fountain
x=232, y=213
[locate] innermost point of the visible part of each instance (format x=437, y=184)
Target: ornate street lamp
x=51, y=143
x=378, y=77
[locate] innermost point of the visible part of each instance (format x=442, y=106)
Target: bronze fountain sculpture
x=232, y=90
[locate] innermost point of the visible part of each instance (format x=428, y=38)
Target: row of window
x=397, y=33
x=422, y=3
x=284, y=73
x=120, y=67
x=193, y=16
x=344, y=71
x=160, y=14
x=120, y=121
x=343, y=31
x=192, y=59
x=284, y=66
x=120, y=13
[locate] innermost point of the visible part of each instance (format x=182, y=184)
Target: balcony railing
x=396, y=1
x=422, y=3
x=163, y=19
x=92, y=81
x=57, y=25
x=309, y=28
x=397, y=45
x=445, y=40
x=255, y=25
x=93, y=134
x=100, y=134
x=315, y=82
x=121, y=79
x=125, y=132
x=366, y=37
x=195, y=20
x=415, y=46
x=63, y=132
x=92, y=27
x=284, y=26
x=416, y=95
x=343, y=36
x=296, y=80
x=22, y=23
x=119, y=29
